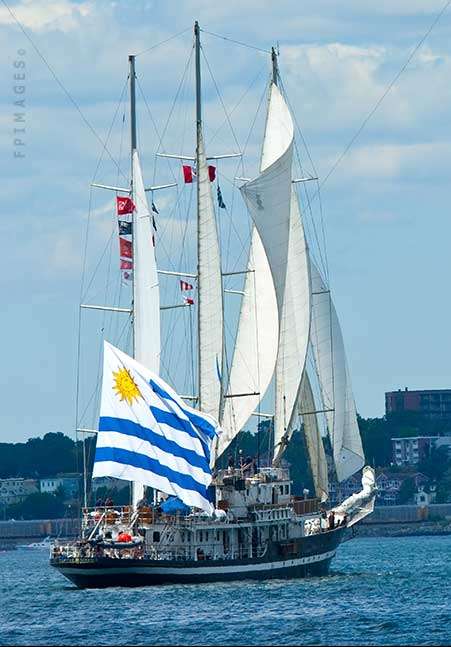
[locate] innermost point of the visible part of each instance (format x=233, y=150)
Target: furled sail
x=315, y=448
x=268, y=196
x=294, y=328
x=333, y=374
x=146, y=297
x=255, y=349
x=209, y=294
x=146, y=290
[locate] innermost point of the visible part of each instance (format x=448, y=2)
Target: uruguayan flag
x=148, y=434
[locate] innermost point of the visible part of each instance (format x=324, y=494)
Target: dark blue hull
x=307, y=557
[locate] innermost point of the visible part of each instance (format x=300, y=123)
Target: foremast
x=146, y=293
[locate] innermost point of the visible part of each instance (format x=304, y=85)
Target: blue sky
x=385, y=208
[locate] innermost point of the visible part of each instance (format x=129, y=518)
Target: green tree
x=444, y=487
x=436, y=464
x=120, y=497
x=37, y=506
x=406, y=491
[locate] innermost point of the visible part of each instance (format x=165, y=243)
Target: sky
x=385, y=207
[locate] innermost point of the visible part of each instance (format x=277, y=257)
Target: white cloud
x=61, y=15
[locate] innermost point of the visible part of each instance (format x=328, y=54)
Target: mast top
x=131, y=60
x=275, y=66
x=198, y=79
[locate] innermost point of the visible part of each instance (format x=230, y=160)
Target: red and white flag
x=189, y=301
x=124, y=205
x=190, y=175
x=185, y=287
x=126, y=265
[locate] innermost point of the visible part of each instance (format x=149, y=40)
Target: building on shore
x=108, y=482
x=435, y=404
x=389, y=485
x=15, y=490
x=68, y=484
x=409, y=451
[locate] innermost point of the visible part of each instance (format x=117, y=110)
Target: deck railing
x=86, y=552
x=102, y=516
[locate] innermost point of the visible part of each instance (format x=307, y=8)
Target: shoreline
x=411, y=529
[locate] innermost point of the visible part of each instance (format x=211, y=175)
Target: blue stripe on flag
x=196, y=419
x=129, y=428
x=126, y=457
x=174, y=421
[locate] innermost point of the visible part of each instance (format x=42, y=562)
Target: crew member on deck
x=331, y=520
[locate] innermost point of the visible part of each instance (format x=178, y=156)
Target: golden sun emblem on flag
x=125, y=386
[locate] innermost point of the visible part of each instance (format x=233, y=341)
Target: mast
x=275, y=66
x=198, y=142
x=131, y=60
x=137, y=489
x=210, y=306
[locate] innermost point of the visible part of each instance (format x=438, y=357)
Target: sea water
x=381, y=591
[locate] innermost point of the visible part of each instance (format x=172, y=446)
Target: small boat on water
x=45, y=544
x=213, y=520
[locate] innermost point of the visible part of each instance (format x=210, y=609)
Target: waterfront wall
x=409, y=513
x=13, y=531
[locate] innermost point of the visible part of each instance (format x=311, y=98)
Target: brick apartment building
x=433, y=403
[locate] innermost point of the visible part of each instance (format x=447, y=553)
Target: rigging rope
x=236, y=42
x=163, y=42
x=382, y=97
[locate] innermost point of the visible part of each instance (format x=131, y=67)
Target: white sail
x=255, y=349
x=146, y=289
x=294, y=328
x=268, y=196
x=209, y=295
x=146, y=292
x=361, y=504
x=314, y=442
x=256, y=343
x=336, y=390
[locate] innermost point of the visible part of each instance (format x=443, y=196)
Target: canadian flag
x=184, y=286
x=190, y=175
x=124, y=205
x=189, y=301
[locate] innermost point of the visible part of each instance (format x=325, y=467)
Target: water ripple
x=381, y=591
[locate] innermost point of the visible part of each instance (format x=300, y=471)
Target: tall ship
x=199, y=510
